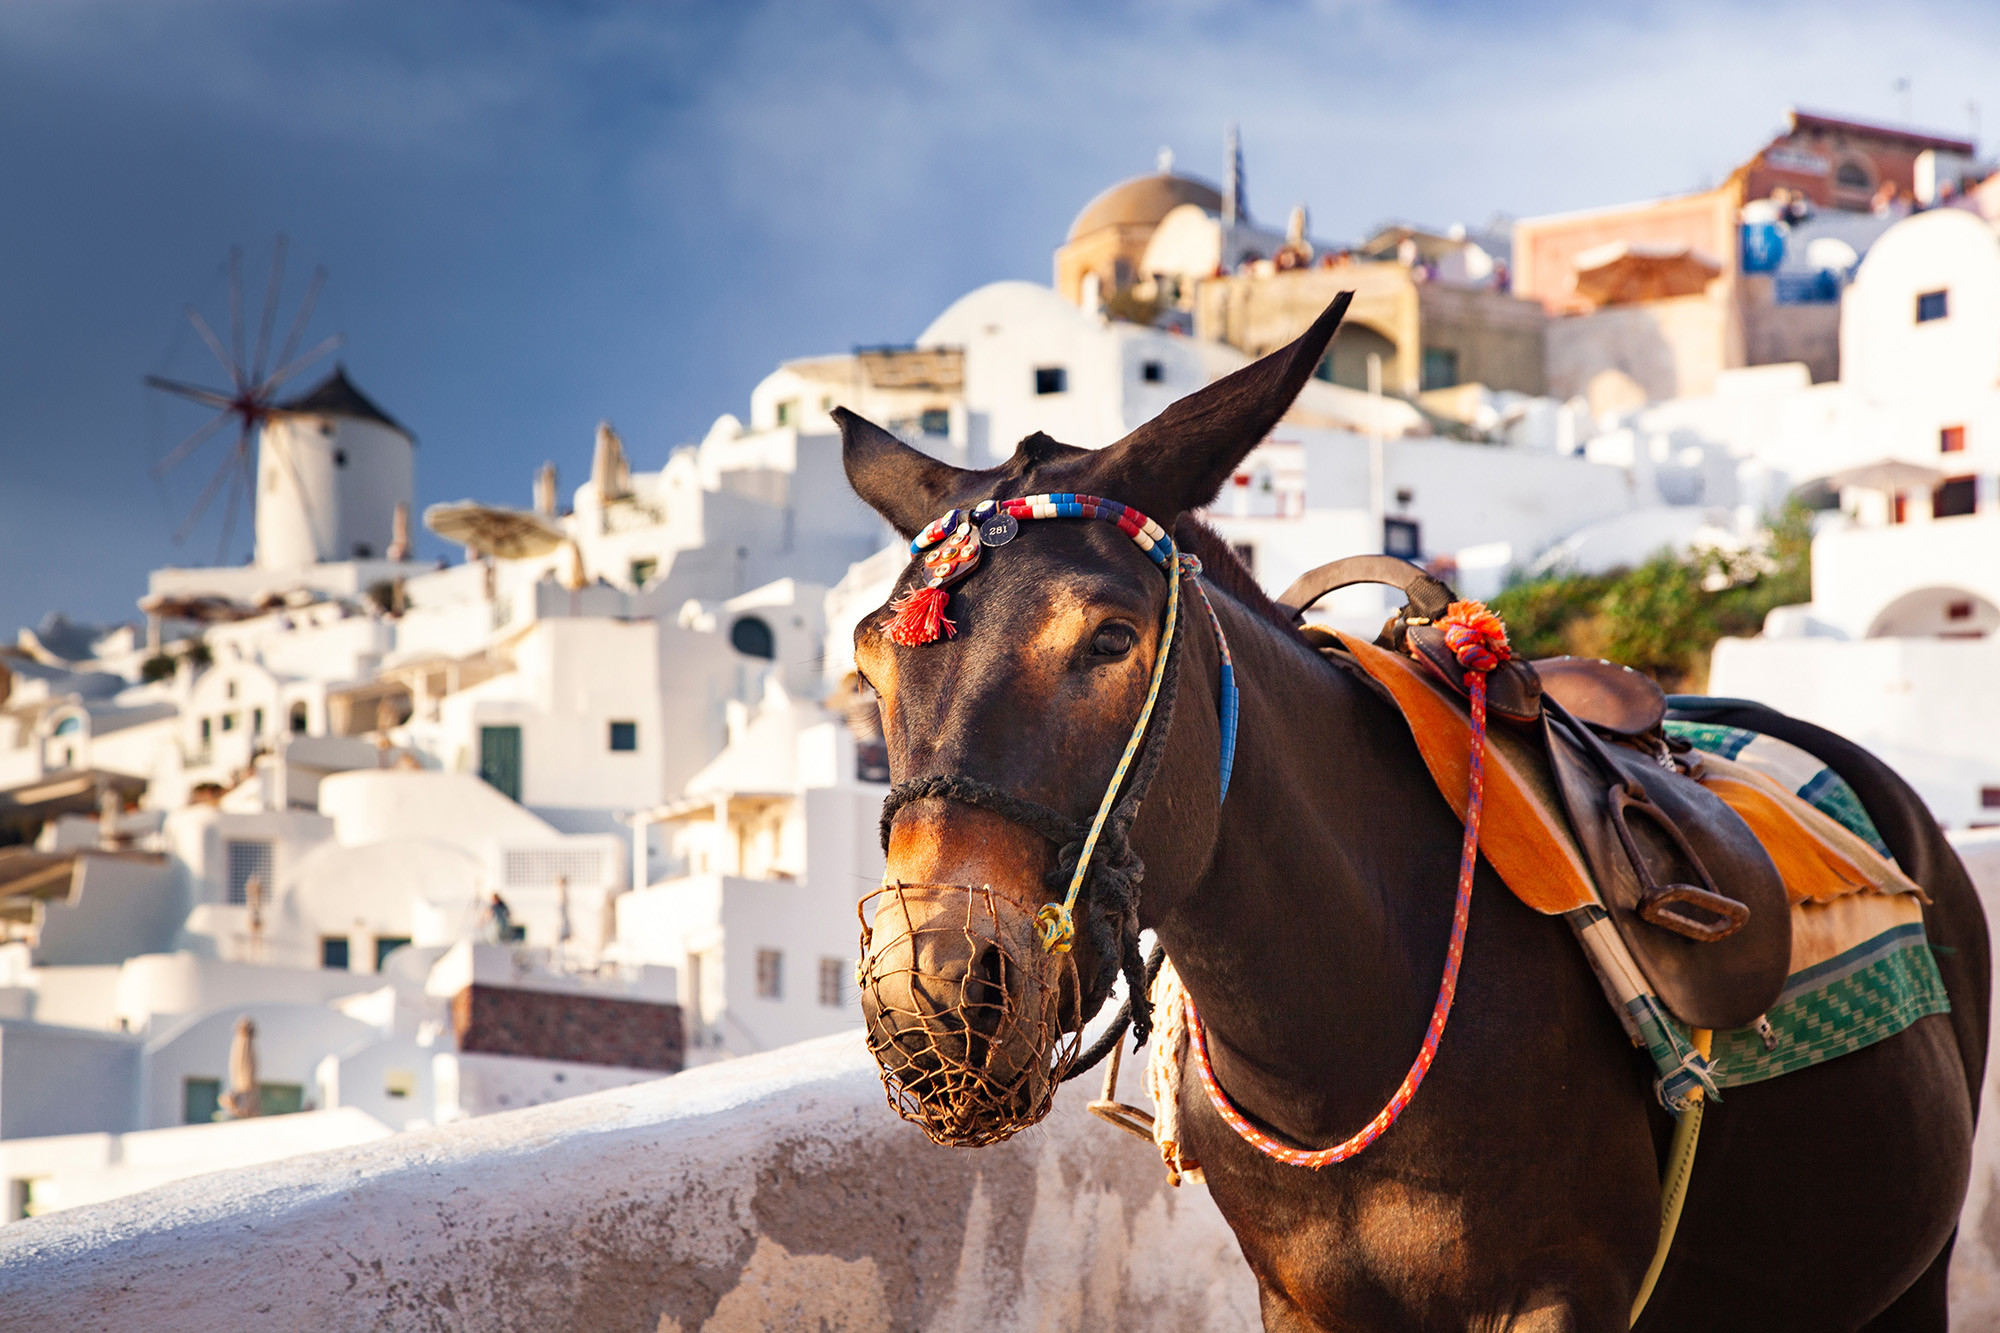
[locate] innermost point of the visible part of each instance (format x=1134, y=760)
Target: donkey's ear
x=904, y=485
x=1179, y=460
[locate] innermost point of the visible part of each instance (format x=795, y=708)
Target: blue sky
x=536, y=216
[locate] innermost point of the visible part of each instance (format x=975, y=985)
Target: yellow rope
x=1056, y=922
x=1673, y=1187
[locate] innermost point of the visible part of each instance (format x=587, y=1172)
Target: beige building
x=1649, y=301
x=1109, y=237
x=1169, y=248
x=1428, y=335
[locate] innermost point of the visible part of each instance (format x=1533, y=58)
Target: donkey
x=1308, y=915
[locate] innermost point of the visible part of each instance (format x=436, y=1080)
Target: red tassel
x=919, y=615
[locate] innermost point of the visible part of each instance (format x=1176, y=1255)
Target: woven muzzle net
x=973, y=1023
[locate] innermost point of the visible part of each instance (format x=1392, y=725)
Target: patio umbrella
x=1890, y=474
x=242, y=1102
x=1626, y=271
x=510, y=534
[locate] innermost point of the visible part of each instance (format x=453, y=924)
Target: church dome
x=1143, y=201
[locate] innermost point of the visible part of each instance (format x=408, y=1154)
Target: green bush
x=157, y=667
x=1664, y=616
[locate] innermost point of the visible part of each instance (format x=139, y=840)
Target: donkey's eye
x=1114, y=640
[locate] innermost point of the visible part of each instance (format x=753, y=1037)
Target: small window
x=1405, y=497
x=201, y=1100
x=1852, y=176
x=230, y=689
x=23, y=1201
x=770, y=975
x=207, y=730
x=298, y=719
x=1932, y=305
x=256, y=722
x=935, y=421
x=340, y=458
x=1951, y=440
x=386, y=945
x=333, y=952
x=1051, y=379
x=1401, y=537
x=280, y=1098
x=1246, y=555
x=399, y=1084
x=624, y=735
x=1440, y=368
x=833, y=982
x=1989, y=798
x=643, y=571
x=788, y=412
x=229, y=721
x=247, y=860
x=1957, y=497
x=69, y=726
x=1960, y=610
x=753, y=638
x=1153, y=372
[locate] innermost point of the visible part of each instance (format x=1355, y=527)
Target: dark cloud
x=537, y=216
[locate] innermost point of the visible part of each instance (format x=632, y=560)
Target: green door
x=500, y=759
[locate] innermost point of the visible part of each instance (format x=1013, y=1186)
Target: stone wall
x=772, y=1192
x=775, y=1191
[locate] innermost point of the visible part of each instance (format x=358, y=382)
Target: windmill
x=250, y=398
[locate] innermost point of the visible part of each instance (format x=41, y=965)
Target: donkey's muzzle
x=964, y=1010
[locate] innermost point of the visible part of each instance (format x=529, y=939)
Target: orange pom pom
x=1475, y=635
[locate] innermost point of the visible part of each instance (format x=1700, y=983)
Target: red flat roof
x=1813, y=120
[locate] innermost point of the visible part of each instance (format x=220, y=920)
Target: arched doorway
x=1347, y=364
x=1936, y=613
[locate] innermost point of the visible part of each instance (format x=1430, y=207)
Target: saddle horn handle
x=1428, y=596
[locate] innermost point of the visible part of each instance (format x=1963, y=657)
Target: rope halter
x=950, y=549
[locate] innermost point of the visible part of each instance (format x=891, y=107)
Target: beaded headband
x=950, y=548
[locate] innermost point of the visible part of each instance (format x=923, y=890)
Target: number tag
x=999, y=529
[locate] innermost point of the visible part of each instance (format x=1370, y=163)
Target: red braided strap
x=1480, y=639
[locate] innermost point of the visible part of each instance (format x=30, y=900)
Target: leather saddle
x=1689, y=888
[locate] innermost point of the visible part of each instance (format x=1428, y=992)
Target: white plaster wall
x=771, y=1192
x=1926, y=706
x=1857, y=572
x=1461, y=495
x=116, y=908
x=390, y=1078
x=72, y=1170
x=471, y=1083
x=368, y=806
x=1009, y=329
x=1884, y=351
x=380, y=888
x=584, y=675
x=166, y=986
x=291, y=1041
